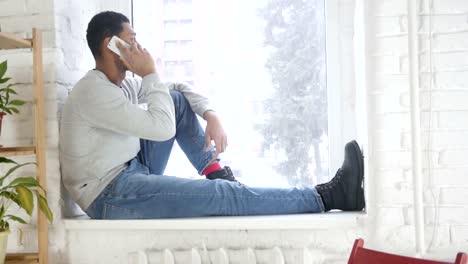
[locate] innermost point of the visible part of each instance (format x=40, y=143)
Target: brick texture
x=443, y=122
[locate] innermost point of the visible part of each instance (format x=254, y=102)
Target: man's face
x=127, y=35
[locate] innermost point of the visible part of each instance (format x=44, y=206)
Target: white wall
x=389, y=225
x=66, y=59
x=443, y=124
x=19, y=16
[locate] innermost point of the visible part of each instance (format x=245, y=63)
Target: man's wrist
x=209, y=114
x=146, y=73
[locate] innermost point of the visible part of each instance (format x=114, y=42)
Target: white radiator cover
x=90, y=246
x=292, y=239
x=249, y=255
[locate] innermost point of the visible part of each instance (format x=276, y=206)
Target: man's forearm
x=198, y=103
x=209, y=114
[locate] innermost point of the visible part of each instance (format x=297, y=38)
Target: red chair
x=361, y=255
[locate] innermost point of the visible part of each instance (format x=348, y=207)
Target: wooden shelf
x=10, y=41
x=26, y=261
x=22, y=258
x=17, y=151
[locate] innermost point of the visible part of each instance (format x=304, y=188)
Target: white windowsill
x=275, y=222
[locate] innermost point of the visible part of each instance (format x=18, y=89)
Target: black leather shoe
x=223, y=174
x=345, y=191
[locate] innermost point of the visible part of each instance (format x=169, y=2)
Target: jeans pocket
x=111, y=211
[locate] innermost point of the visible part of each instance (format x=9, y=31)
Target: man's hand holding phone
x=136, y=59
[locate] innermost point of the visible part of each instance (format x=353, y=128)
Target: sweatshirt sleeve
x=199, y=103
x=106, y=107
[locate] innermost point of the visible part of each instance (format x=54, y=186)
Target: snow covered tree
x=295, y=35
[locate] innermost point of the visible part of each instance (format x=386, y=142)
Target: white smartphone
x=113, y=46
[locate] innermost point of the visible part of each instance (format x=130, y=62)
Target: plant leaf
x=13, y=169
x=8, y=111
x=12, y=196
x=44, y=206
x=2, y=211
x=17, y=102
x=5, y=160
x=3, y=225
x=16, y=218
x=15, y=110
x=26, y=198
x=7, y=89
x=7, y=98
x=24, y=181
x=3, y=68
x=4, y=80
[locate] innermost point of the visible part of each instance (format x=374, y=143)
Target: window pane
x=185, y=30
x=185, y=9
x=263, y=64
x=171, y=68
x=171, y=50
x=185, y=50
x=189, y=69
x=171, y=31
x=170, y=9
x=178, y=30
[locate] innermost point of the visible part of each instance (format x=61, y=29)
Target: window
x=179, y=70
x=178, y=30
x=263, y=64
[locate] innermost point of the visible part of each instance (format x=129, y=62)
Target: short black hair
x=103, y=25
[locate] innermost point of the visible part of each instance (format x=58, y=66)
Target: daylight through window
x=263, y=65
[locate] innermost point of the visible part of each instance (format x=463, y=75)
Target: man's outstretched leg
x=136, y=194
x=191, y=138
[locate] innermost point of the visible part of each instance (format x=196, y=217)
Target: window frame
x=334, y=95
x=347, y=112
x=346, y=80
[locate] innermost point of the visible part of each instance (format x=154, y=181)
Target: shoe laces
x=230, y=175
x=331, y=184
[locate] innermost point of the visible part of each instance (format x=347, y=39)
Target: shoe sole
x=360, y=200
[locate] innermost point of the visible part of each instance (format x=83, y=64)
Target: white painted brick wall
x=452, y=120
x=459, y=235
x=19, y=17
x=446, y=213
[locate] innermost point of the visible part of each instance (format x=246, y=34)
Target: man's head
x=101, y=28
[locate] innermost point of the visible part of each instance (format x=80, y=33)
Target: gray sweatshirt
x=102, y=123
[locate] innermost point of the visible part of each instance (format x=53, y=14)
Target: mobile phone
x=113, y=46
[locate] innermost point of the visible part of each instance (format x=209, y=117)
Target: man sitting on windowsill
x=113, y=153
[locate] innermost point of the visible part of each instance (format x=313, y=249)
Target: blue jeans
x=142, y=192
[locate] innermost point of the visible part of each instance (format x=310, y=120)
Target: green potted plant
x=7, y=104
x=20, y=191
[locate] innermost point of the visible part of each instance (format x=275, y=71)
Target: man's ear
x=106, y=41
x=104, y=44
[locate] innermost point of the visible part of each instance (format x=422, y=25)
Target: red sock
x=212, y=168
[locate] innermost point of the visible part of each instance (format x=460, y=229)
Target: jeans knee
x=176, y=95
x=178, y=98
x=181, y=104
